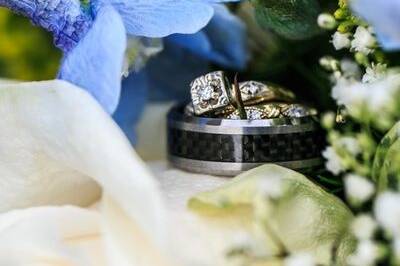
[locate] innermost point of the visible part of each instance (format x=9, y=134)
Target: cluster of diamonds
x=251, y=89
x=253, y=113
x=208, y=92
x=297, y=110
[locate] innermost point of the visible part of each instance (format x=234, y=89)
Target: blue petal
x=165, y=78
x=170, y=73
x=133, y=101
x=96, y=63
x=223, y=41
x=384, y=16
x=64, y=18
x=159, y=18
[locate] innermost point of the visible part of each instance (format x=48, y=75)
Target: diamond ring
x=254, y=92
x=273, y=110
x=209, y=93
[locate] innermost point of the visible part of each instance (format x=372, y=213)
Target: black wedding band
x=228, y=147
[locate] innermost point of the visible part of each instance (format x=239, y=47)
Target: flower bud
x=345, y=27
x=358, y=189
x=328, y=120
x=361, y=59
x=329, y=63
x=326, y=21
x=341, y=13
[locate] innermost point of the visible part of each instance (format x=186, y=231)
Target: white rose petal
x=300, y=259
x=272, y=187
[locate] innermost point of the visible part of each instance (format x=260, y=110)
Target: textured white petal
x=50, y=236
x=56, y=142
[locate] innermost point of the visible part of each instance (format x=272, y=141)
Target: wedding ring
x=297, y=110
x=254, y=92
x=228, y=147
x=209, y=93
x=262, y=111
x=274, y=110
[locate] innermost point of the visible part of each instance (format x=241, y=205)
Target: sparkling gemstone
x=297, y=111
x=253, y=89
x=206, y=93
x=253, y=114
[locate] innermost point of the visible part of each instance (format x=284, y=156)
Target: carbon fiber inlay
x=245, y=148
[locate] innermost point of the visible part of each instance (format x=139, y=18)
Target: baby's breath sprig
x=366, y=91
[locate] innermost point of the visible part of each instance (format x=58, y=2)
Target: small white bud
x=363, y=227
x=367, y=253
x=328, y=120
x=349, y=144
x=358, y=189
x=326, y=21
x=387, y=212
x=333, y=161
x=329, y=63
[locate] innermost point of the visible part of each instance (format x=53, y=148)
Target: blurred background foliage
x=26, y=52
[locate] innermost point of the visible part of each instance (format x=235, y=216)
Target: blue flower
x=384, y=16
x=93, y=36
x=167, y=76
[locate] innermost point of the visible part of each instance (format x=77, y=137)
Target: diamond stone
x=253, y=89
x=206, y=93
x=253, y=114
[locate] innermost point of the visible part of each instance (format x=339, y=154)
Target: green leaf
x=305, y=218
x=386, y=166
x=293, y=19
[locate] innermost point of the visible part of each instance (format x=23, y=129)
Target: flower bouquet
x=83, y=172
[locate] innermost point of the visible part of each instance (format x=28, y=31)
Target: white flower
x=326, y=21
x=387, y=212
x=341, y=40
x=358, y=189
x=366, y=254
x=363, y=41
x=350, y=69
x=375, y=96
x=350, y=144
x=374, y=73
x=363, y=227
x=300, y=259
x=333, y=161
x=349, y=92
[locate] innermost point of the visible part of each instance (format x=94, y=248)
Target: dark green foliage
x=292, y=19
